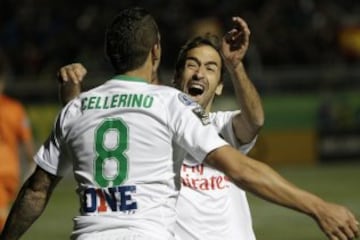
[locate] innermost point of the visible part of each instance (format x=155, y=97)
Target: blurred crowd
x=38, y=36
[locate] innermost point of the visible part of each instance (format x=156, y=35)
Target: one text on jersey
x=113, y=199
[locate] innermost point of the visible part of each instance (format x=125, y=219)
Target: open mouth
x=196, y=89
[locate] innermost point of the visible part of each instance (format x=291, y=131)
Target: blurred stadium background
x=304, y=59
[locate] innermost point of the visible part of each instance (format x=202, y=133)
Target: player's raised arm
x=70, y=78
x=234, y=46
x=30, y=203
x=336, y=221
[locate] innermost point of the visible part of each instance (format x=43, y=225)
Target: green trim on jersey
x=129, y=78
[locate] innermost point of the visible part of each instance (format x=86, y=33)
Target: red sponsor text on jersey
x=193, y=177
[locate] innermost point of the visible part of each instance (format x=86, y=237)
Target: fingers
x=354, y=226
x=73, y=72
x=338, y=222
x=241, y=25
x=339, y=236
x=238, y=36
x=346, y=232
x=240, y=29
x=356, y=229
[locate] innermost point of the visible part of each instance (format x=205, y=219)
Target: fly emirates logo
x=200, y=178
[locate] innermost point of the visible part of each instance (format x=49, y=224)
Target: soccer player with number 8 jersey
x=126, y=160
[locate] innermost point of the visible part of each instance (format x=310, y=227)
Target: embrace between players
x=127, y=158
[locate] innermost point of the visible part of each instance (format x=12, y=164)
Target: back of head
x=129, y=39
x=201, y=40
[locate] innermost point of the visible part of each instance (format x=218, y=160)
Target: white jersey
x=209, y=205
x=124, y=141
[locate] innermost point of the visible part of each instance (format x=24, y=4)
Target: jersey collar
x=129, y=78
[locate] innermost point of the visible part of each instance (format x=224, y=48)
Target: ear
x=156, y=53
x=155, y=56
x=219, y=89
x=155, y=60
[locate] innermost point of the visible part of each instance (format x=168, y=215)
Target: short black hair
x=208, y=40
x=129, y=39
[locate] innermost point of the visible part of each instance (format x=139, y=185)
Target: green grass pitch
x=336, y=182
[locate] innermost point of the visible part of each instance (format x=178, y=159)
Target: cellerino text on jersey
x=117, y=101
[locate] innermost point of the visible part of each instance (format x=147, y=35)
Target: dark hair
x=207, y=39
x=129, y=38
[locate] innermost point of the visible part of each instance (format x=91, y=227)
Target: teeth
x=197, y=86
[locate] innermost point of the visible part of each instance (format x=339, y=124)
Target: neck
x=143, y=72
x=208, y=106
x=139, y=74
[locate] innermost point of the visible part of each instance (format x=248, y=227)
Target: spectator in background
x=349, y=40
x=14, y=130
x=41, y=39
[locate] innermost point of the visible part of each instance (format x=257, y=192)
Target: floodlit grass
x=337, y=183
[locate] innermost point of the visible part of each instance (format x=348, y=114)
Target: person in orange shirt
x=14, y=132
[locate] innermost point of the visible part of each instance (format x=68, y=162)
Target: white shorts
x=121, y=234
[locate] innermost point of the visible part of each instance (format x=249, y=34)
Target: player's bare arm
x=70, y=78
x=336, y=221
x=30, y=203
x=235, y=44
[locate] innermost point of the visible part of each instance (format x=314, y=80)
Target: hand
x=74, y=72
x=337, y=222
x=235, y=42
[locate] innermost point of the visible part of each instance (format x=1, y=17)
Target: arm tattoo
x=30, y=203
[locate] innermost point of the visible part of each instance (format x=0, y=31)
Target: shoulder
x=163, y=90
x=71, y=110
x=173, y=96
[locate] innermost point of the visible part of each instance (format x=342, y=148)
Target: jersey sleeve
x=222, y=120
x=54, y=155
x=191, y=127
